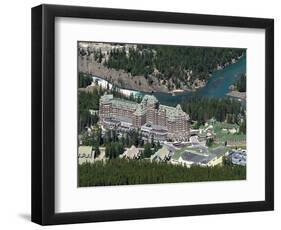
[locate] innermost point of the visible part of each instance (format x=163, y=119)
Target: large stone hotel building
x=153, y=119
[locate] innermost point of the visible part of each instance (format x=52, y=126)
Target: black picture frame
x=43, y=114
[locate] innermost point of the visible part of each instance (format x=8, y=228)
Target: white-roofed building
x=85, y=151
x=132, y=153
x=162, y=154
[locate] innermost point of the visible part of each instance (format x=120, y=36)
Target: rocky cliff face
x=120, y=78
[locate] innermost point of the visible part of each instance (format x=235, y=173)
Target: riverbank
x=124, y=80
x=237, y=94
x=218, y=85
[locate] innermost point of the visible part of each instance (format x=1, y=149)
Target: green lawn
x=222, y=136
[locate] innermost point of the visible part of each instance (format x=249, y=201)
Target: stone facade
x=149, y=115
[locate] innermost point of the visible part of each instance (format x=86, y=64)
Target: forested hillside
x=202, y=109
x=175, y=66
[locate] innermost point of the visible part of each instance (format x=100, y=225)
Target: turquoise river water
x=217, y=85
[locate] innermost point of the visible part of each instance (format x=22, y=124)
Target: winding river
x=217, y=85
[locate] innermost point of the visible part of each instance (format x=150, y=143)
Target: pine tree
x=97, y=151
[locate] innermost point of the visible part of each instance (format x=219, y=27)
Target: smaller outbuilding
x=85, y=151
x=162, y=154
x=132, y=153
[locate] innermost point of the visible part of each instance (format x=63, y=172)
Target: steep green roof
x=149, y=99
x=173, y=112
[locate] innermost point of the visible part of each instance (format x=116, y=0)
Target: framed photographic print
x=142, y=114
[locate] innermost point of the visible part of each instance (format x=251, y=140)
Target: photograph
x=170, y=112
x=150, y=114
